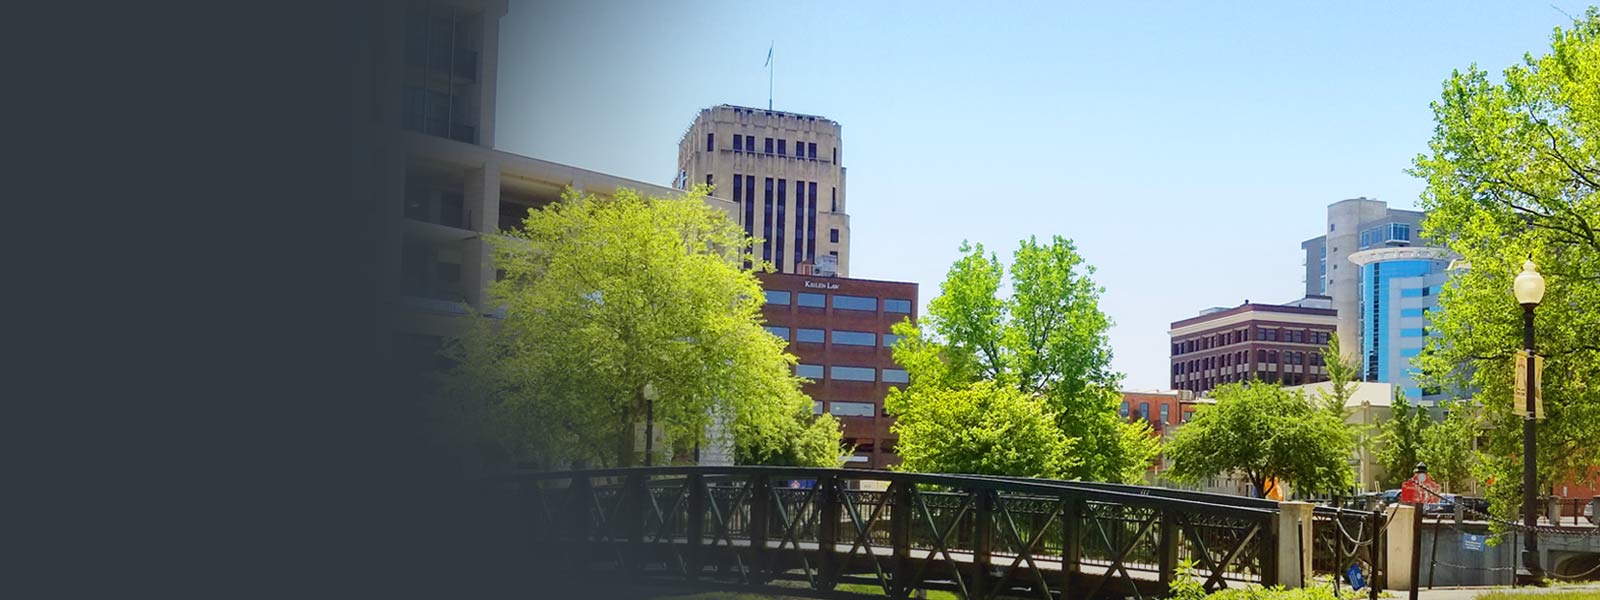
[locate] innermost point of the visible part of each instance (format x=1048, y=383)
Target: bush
x=1188, y=587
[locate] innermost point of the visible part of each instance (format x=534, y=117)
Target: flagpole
x=772, y=66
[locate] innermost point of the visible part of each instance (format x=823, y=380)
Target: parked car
x=1391, y=496
x=1445, y=505
x=1475, y=506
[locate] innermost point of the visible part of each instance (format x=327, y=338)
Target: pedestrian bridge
x=805, y=531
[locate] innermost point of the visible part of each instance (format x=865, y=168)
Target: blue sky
x=1187, y=148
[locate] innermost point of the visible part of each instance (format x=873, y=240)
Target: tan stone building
x=783, y=173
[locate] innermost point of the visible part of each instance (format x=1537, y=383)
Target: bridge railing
x=977, y=536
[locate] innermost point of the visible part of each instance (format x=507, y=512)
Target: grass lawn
x=1587, y=594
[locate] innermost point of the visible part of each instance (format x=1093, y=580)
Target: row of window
x=847, y=373
x=1206, y=383
x=747, y=143
x=1144, y=412
x=840, y=337
x=1242, y=357
x=846, y=409
x=1382, y=234
x=1239, y=336
x=840, y=301
x=774, y=214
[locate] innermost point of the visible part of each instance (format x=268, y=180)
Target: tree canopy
x=1265, y=433
x=1044, y=340
x=982, y=429
x=1513, y=173
x=618, y=308
x=1400, y=444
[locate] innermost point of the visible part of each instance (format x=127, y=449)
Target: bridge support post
x=828, y=488
x=760, y=522
x=1167, y=550
x=900, y=517
x=696, y=523
x=1072, y=547
x=634, y=499
x=1294, y=543
x=983, y=541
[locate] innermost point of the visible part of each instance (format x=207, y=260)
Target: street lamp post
x=1529, y=290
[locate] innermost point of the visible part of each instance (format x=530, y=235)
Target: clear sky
x=1186, y=147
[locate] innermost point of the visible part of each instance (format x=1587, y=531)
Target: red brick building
x=1164, y=410
x=840, y=331
x=1276, y=343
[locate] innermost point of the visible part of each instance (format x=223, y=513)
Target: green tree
x=1512, y=172
x=618, y=310
x=981, y=428
x=1046, y=339
x=1447, y=446
x=1265, y=433
x=1342, y=377
x=1400, y=444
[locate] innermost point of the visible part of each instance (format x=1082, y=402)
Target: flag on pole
x=769, y=57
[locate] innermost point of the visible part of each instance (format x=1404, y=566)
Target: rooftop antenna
x=770, y=68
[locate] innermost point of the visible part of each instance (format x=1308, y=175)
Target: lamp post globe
x=1529, y=285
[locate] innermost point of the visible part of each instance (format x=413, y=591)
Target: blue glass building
x=1399, y=287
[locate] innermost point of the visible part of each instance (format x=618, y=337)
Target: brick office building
x=1270, y=342
x=839, y=330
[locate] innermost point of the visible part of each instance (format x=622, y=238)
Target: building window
x=1144, y=410
x=855, y=303
x=750, y=143
x=1188, y=414
x=841, y=373
x=710, y=143
x=836, y=155
x=833, y=235
x=835, y=202
x=855, y=338
x=708, y=180
x=778, y=297
x=889, y=340
x=811, y=222
x=738, y=143
x=811, y=300
x=852, y=409
x=769, y=145
x=1124, y=409
x=783, y=147
x=811, y=150
x=1165, y=416
x=813, y=372
x=766, y=226
x=897, y=305
x=808, y=335
x=750, y=205
x=816, y=407
x=781, y=332
x=896, y=376
x=777, y=253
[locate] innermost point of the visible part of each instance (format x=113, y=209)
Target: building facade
x=1382, y=282
x=1165, y=411
x=439, y=183
x=1353, y=225
x=839, y=329
x=1399, y=287
x=783, y=173
x=1274, y=343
